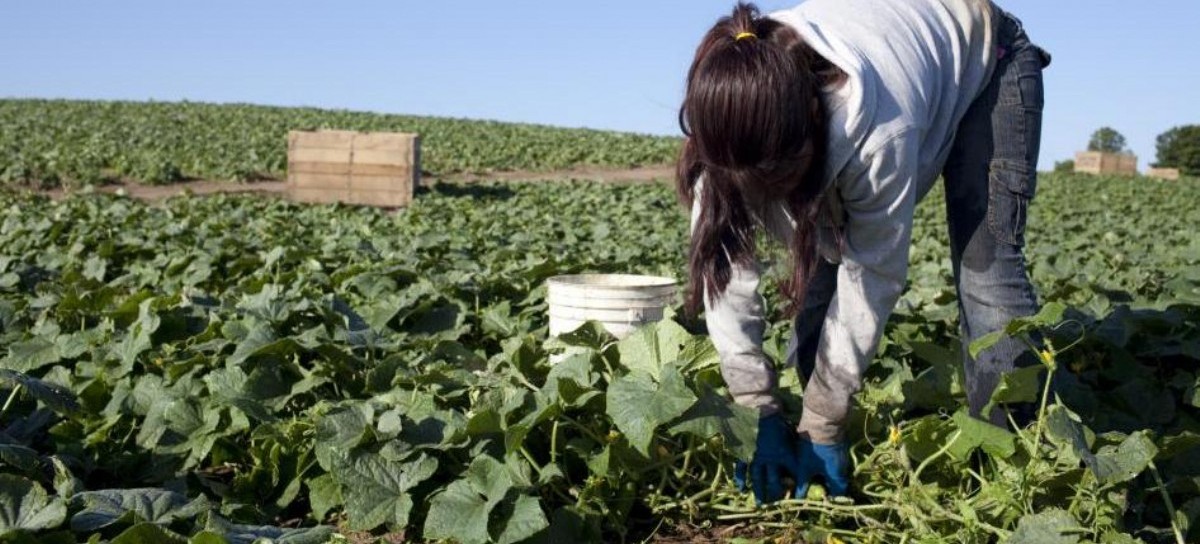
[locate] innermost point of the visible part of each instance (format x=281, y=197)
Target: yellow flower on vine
x=894, y=435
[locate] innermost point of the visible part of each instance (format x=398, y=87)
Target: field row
x=53, y=142
x=215, y=367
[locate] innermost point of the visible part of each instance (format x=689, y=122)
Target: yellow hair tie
x=745, y=36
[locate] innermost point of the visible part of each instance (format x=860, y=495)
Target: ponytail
x=756, y=134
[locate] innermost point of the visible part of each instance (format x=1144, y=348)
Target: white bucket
x=620, y=302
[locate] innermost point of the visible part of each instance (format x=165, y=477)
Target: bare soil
x=639, y=174
x=676, y=534
x=643, y=174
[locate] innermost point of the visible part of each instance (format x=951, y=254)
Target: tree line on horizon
x=1178, y=148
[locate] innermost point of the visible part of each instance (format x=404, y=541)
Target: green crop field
x=53, y=142
x=232, y=368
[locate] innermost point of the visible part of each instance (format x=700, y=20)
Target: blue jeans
x=990, y=179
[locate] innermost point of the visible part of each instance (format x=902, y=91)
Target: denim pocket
x=1021, y=80
x=1029, y=81
x=1011, y=186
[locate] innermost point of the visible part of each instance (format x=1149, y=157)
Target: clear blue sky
x=614, y=64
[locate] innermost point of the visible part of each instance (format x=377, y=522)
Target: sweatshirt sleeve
x=736, y=326
x=879, y=203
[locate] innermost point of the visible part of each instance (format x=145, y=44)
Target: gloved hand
x=829, y=461
x=774, y=454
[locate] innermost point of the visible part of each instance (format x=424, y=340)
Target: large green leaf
x=1116, y=537
x=101, y=509
x=1126, y=461
x=32, y=354
x=1064, y=429
x=924, y=437
x=520, y=520
x=486, y=506
x=200, y=425
x=498, y=320
x=649, y=348
x=1020, y=385
x=55, y=397
x=939, y=385
x=66, y=484
x=1048, y=527
x=340, y=430
x=207, y=537
x=261, y=341
x=1050, y=315
x=589, y=335
x=716, y=415
x=459, y=512
x=324, y=495
x=268, y=303
x=376, y=490
x=24, y=505
x=977, y=434
x=138, y=338
x=257, y=394
x=572, y=381
x=18, y=456
x=234, y=533
x=148, y=533
x=638, y=406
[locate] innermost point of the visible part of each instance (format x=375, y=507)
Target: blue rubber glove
x=829, y=461
x=774, y=456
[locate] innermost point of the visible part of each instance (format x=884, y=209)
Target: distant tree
x=1064, y=167
x=1180, y=148
x=1107, y=140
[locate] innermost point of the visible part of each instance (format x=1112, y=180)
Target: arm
x=736, y=325
x=879, y=204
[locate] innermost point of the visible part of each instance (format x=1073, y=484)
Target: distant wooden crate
x=1095, y=162
x=365, y=168
x=1171, y=174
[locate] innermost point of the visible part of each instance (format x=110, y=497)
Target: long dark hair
x=756, y=133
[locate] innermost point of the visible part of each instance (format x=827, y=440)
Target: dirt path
x=642, y=174
x=638, y=174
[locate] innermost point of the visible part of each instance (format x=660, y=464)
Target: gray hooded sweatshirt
x=914, y=67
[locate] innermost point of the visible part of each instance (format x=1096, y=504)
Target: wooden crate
x=1170, y=174
x=1095, y=162
x=365, y=168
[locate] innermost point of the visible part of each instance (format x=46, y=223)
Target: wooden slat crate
x=1095, y=162
x=366, y=168
x=1169, y=174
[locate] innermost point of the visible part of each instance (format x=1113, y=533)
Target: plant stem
x=662, y=481
x=529, y=457
x=701, y=495
x=607, y=365
x=583, y=429
x=833, y=507
x=554, y=443
x=665, y=462
x=11, y=397
x=1074, y=506
x=1041, y=423
x=916, y=475
x=687, y=455
x=521, y=379
x=739, y=517
x=1021, y=434
x=1162, y=488
x=719, y=476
